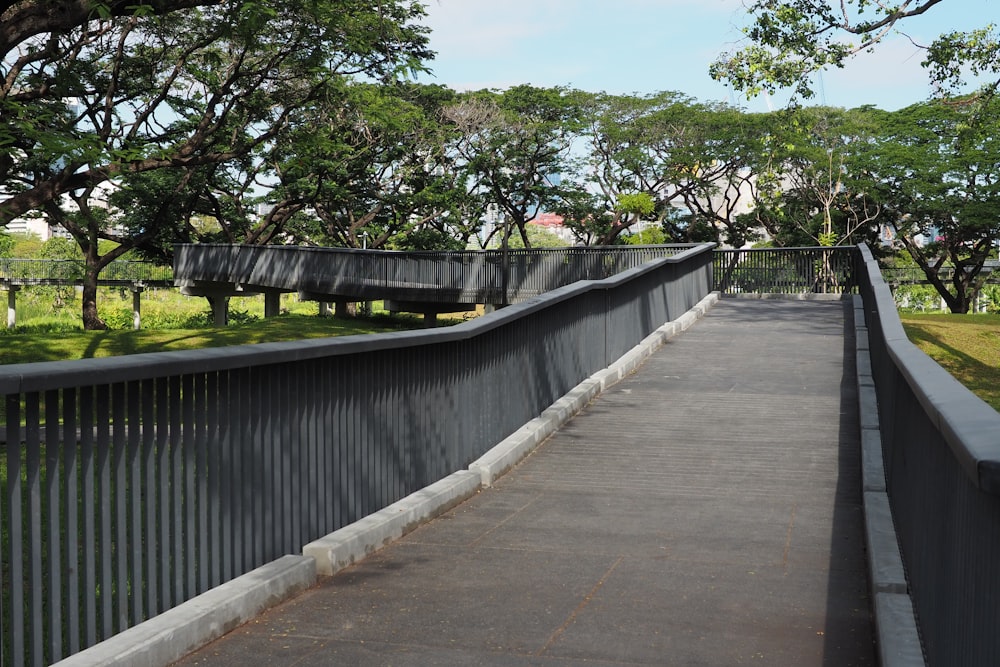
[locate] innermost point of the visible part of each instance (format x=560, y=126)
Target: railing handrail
x=969, y=425
x=208, y=463
x=941, y=453
x=41, y=376
x=48, y=269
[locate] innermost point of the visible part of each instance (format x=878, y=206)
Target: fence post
x=137, y=289
x=12, y=305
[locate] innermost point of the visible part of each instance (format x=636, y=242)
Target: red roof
x=548, y=220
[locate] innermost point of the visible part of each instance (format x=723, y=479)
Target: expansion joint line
x=583, y=603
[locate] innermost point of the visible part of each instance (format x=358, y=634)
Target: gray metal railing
x=819, y=270
x=69, y=271
x=941, y=447
x=135, y=483
x=463, y=277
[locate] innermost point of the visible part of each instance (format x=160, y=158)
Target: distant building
x=555, y=224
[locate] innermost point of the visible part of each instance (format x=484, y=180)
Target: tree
x=790, y=39
x=934, y=169
x=810, y=195
x=673, y=152
x=187, y=91
x=20, y=21
x=515, y=146
x=374, y=167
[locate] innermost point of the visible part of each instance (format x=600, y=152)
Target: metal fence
x=821, y=270
x=135, y=483
x=941, y=446
x=53, y=271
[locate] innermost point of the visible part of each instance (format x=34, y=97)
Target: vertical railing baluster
x=53, y=489
x=71, y=598
x=190, y=452
x=151, y=495
x=15, y=613
x=137, y=501
x=163, y=492
x=294, y=447
x=103, y=500
x=226, y=453
x=248, y=468
x=213, y=462
x=266, y=392
x=88, y=491
x=237, y=383
x=201, y=445
x=33, y=488
x=176, y=489
x=120, y=493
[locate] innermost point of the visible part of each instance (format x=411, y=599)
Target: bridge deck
x=706, y=511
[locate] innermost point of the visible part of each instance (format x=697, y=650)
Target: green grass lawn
x=18, y=348
x=170, y=322
x=967, y=346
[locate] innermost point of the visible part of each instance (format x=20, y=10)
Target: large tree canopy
x=21, y=20
x=201, y=93
x=934, y=171
x=790, y=39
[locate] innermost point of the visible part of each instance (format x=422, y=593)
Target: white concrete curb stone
x=175, y=633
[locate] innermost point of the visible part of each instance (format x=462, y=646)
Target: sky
x=646, y=46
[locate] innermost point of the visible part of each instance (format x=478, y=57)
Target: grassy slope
x=967, y=346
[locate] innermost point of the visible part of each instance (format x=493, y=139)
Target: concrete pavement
x=704, y=511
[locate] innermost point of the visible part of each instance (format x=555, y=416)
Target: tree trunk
x=91, y=319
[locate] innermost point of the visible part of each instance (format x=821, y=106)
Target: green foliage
x=425, y=239
x=25, y=245
x=791, y=39
x=647, y=236
x=639, y=203
x=538, y=237
x=933, y=170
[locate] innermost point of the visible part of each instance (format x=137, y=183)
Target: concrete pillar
x=344, y=309
x=324, y=309
x=430, y=320
x=272, y=303
x=220, y=310
x=137, y=307
x=12, y=305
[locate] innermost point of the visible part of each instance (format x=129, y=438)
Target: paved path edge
x=896, y=634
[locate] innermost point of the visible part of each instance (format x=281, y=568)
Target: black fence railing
x=821, y=270
x=49, y=271
x=134, y=483
x=941, y=447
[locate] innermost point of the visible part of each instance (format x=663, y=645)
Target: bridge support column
x=344, y=309
x=12, y=305
x=137, y=306
x=272, y=303
x=220, y=310
x=324, y=308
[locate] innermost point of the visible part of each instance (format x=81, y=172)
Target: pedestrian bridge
x=724, y=495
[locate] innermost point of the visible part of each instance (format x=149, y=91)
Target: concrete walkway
x=705, y=511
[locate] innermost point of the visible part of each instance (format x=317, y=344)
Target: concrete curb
x=173, y=634
x=351, y=543
x=897, y=637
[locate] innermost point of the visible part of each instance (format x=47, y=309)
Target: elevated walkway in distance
x=705, y=511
